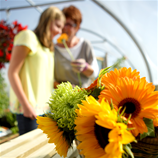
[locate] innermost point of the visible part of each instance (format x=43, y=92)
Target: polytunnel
x=115, y=28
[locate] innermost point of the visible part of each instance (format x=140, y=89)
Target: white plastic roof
x=118, y=28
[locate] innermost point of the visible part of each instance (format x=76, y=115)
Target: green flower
x=63, y=103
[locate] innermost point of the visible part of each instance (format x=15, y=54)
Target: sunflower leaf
x=104, y=71
x=127, y=149
x=96, y=92
x=151, y=129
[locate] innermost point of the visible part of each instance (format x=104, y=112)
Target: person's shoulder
x=87, y=42
x=26, y=38
x=88, y=46
x=27, y=33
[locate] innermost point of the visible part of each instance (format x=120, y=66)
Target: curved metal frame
x=37, y=5
x=104, y=39
x=129, y=33
x=110, y=13
x=32, y=5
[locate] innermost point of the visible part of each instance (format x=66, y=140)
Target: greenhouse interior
x=122, y=33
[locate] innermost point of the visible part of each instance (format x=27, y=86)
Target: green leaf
x=104, y=71
x=127, y=149
x=96, y=92
x=151, y=129
x=4, y=98
x=118, y=63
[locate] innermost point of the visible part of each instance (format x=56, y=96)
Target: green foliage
x=7, y=118
x=118, y=63
x=4, y=99
x=151, y=129
x=103, y=72
x=127, y=148
x=96, y=92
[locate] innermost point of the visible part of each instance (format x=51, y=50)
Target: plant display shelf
x=32, y=144
x=8, y=137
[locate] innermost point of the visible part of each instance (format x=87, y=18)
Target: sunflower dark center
x=101, y=134
x=131, y=105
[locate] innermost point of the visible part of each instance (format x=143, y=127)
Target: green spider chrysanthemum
x=63, y=103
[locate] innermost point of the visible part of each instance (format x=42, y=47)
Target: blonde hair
x=43, y=31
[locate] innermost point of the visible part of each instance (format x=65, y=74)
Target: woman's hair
x=73, y=13
x=43, y=31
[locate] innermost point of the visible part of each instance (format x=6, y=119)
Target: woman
x=31, y=70
x=85, y=62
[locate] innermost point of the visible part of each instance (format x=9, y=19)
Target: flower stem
x=68, y=50
x=79, y=79
x=72, y=58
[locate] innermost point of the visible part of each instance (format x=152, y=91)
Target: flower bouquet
x=7, y=33
x=117, y=111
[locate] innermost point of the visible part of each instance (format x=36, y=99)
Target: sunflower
x=137, y=97
x=112, y=76
x=54, y=134
x=94, y=122
x=155, y=121
x=117, y=137
x=63, y=36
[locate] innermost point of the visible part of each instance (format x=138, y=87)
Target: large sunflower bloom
x=137, y=97
x=112, y=76
x=94, y=122
x=54, y=134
